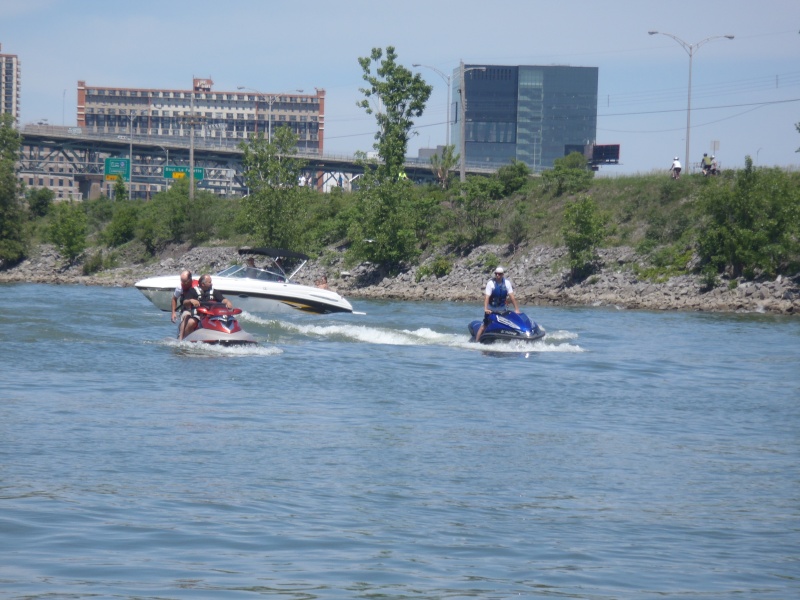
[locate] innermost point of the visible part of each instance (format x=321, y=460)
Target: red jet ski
x=218, y=325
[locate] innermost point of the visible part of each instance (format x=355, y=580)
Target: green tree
x=573, y=160
x=120, y=189
x=400, y=96
x=273, y=212
x=122, y=227
x=383, y=227
x=569, y=175
x=513, y=177
x=39, y=201
x=476, y=210
x=174, y=207
x=68, y=229
x=442, y=166
x=583, y=231
x=163, y=219
x=752, y=226
x=13, y=230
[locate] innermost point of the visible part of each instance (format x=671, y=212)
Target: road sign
x=183, y=172
x=114, y=168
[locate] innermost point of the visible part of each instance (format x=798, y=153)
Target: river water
x=628, y=455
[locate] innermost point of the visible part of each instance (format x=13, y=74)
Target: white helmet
x=676, y=158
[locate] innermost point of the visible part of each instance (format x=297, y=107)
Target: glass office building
x=528, y=113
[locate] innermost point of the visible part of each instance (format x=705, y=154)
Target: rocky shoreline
x=539, y=274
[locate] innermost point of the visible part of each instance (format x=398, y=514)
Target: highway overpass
x=71, y=162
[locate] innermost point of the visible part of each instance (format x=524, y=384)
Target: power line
x=671, y=110
x=744, y=112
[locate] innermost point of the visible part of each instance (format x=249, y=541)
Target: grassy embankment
x=659, y=217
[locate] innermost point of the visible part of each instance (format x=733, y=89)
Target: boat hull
x=253, y=296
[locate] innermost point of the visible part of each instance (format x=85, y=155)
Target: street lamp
x=166, y=164
x=690, y=50
x=446, y=79
x=270, y=99
x=463, y=95
x=131, y=117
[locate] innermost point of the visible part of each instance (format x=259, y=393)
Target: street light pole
x=191, y=148
x=463, y=95
x=131, y=117
x=447, y=112
x=270, y=100
x=690, y=50
x=166, y=164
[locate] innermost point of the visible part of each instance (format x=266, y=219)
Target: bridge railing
x=182, y=142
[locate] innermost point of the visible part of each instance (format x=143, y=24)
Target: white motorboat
x=267, y=289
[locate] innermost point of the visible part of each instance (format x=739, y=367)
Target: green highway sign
x=183, y=172
x=114, y=168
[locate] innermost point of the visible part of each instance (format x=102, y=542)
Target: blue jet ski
x=507, y=325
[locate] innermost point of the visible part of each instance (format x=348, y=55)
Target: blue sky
x=745, y=92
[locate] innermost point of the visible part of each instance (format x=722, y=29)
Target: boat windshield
x=252, y=273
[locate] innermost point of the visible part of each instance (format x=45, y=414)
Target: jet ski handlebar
x=217, y=309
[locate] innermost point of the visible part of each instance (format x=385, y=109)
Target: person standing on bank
x=498, y=290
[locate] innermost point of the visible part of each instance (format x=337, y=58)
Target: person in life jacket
x=178, y=296
x=497, y=292
x=194, y=297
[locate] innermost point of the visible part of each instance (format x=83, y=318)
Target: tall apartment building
x=216, y=115
x=9, y=84
x=533, y=114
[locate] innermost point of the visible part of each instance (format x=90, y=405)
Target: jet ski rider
x=178, y=296
x=194, y=297
x=494, y=298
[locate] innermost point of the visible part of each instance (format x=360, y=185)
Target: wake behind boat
x=267, y=289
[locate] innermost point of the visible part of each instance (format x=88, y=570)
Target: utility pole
x=192, y=120
x=191, y=147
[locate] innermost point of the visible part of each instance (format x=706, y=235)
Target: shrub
x=513, y=177
x=122, y=227
x=583, y=231
x=97, y=262
x=39, y=201
x=569, y=175
x=68, y=229
x=753, y=225
x=440, y=267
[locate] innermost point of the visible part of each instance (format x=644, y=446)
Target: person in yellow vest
x=705, y=164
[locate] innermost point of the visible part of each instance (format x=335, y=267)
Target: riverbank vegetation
x=744, y=223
